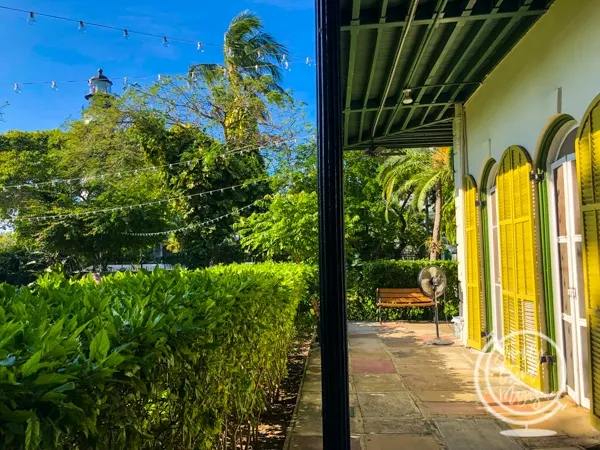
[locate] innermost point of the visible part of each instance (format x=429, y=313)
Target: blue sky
x=55, y=50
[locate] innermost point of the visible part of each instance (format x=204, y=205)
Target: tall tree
x=247, y=51
x=418, y=174
x=287, y=229
x=102, y=143
x=251, y=74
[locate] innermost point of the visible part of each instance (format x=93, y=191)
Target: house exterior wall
x=553, y=70
x=561, y=53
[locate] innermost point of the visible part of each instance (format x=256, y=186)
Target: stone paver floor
x=405, y=394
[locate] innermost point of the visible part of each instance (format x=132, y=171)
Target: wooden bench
x=402, y=298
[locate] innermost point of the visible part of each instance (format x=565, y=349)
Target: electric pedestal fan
x=432, y=282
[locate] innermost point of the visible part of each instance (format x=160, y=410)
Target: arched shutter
x=518, y=266
x=588, y=173
x=476, y=311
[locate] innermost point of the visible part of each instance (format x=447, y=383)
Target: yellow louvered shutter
x=518, y=266
x=588, y=174
x=475, y=309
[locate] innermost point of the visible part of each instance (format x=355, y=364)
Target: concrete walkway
x=405, y=394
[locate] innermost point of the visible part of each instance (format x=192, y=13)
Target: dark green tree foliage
x=288, y=229
x=195, y=163
x=418, y=175
x=101, y=143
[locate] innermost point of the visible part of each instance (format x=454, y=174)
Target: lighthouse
x=99, y=83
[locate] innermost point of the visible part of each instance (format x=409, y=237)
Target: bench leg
x=380, y=320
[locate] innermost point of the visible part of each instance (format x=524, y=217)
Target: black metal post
x=334, y=343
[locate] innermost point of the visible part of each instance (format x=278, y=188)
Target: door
x=495, y=269
x=588, y=175
x=570, y=295
x=518, y=267
x=476, y=311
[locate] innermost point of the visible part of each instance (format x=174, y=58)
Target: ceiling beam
x=489, y=52
x=351, y=63
x=453, y=19
x=412, y=10
x=429, y=127
x=438, y=13
x=376, y=108
x=457, y=65
x=382, y=19
x=446, y=46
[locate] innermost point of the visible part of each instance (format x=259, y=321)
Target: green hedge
x=179, y=359
x=364, y=281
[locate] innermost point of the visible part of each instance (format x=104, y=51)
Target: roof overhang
x=441, y=50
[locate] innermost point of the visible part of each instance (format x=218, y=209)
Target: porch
x=406, y=394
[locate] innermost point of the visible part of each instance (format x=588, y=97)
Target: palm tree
x=251, y=75
x=247, y=51
x=417, y=174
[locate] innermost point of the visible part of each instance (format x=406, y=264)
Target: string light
x=285, y=65
x=199, y=47
x=126, y=33
x=16, y=88
x=139, y=205
x=165, y=42
x=119, y=174
x=81, y=27
x=193, y=226
x=54, y=86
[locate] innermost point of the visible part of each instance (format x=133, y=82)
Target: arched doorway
x=517, y=250
x=491, y=253
x=476, y=309
x=587, y=148
x=567, y=265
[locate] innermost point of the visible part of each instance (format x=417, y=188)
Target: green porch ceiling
x=440, y=49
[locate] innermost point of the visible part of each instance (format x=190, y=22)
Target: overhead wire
x=137, y=205
x=118, y=174
x=192, y=226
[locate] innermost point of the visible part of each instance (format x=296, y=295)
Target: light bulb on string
x=81, y=27
x=16, y=88
x=199, y=47
x=287, y=66
x=165, y=42
x=125, y=82
x=31, y=19
x=308, y=61
x=125, y=34
x=54, y=86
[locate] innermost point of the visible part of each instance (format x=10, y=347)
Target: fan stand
x=438, y=340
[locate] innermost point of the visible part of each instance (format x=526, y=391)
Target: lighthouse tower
x=99, y=83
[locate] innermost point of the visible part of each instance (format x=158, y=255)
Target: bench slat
x=400, y=290
x=402, y=298
x=405, y=305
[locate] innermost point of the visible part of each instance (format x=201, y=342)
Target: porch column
x=334, y=343
x=460, y=169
